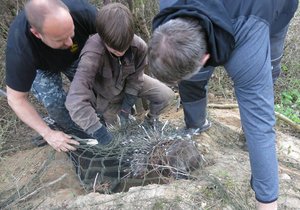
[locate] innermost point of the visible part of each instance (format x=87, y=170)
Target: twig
x=14, y=198
x=40, y=188
x=178, y=102
x=289, y=170
x=3, y=93
x=223, y=106
x=95, y=181
x=288, y=121
x=145, y=132
x=9, y=150
x=162, y=129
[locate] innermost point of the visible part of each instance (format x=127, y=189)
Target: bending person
x=246, y=37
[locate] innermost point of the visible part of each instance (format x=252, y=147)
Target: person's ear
x=204, y=59
x=35, y=32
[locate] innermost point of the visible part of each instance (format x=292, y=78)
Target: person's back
x=218, y=17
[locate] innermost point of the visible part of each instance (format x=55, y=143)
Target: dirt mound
x=43, y=179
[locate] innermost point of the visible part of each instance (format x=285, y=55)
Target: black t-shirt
x=25, y=53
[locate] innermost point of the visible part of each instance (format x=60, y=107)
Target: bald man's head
x=51, y=22
x=38, y=10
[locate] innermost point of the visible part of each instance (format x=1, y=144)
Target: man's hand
x=19, y=102
x=60, y=141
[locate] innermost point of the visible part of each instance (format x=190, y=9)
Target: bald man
x=44, y=41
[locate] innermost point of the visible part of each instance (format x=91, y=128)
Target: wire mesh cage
x=137, y=156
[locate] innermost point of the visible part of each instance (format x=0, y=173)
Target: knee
x=55, y=101
x=168, y=96
x=162, y=99
x=59, y=113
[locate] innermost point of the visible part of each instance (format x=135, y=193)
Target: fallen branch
x=289, y=170
x=223, y=106
x=278, y=115
x=288, y=121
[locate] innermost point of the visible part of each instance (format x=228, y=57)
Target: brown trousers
x=155, y=92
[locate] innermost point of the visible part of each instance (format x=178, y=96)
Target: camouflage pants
x=48, y=89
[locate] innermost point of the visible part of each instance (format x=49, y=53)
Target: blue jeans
x=47, y=87
x=250, y=68
x=254, y=67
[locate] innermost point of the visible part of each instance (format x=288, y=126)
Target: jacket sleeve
x=134, y=82
x=80, y=96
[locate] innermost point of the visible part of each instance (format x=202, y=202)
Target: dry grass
x=220, y=86
x=8, y=121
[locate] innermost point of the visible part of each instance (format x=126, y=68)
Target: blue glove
x=128, y=102
x=124, y=118
x=102, y=136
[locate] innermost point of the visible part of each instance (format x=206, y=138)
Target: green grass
x=289, y=105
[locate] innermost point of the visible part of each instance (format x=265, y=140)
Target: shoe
x=38, y=141
x=197, y=131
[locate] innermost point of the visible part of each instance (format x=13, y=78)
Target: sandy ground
x=40, y=178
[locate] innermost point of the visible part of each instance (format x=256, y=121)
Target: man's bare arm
x=19, y=102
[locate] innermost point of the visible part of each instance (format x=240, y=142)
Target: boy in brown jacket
x=110, y=76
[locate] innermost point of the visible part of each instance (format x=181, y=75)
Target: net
x=137, y=156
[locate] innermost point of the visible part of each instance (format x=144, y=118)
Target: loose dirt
x=40, y=178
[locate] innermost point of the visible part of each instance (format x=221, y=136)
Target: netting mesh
x=137, y=156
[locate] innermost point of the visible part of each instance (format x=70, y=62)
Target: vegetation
x=290, y=105
x=287, y=88
x=287, y=95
